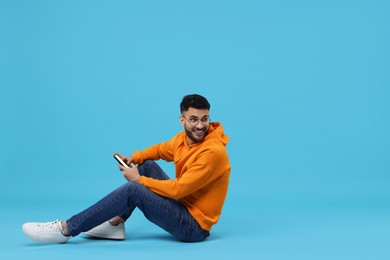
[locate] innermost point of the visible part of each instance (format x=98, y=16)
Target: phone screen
x=120, y=161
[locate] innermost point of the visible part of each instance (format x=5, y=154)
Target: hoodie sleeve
x=198, y=175
x=155, y=152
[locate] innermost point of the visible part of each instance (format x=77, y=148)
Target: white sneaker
x=108, y=231
x=45, y=232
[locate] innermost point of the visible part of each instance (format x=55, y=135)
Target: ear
x=181, y=119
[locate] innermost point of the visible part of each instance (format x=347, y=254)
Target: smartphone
x=121, y=161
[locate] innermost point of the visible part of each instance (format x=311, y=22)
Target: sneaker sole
x=98, y=236
x=39, y=240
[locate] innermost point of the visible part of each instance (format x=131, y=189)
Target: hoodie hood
x=216, y=134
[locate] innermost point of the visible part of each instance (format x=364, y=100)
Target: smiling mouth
x=199, y=131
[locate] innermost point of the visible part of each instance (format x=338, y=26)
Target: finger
x=132, y=165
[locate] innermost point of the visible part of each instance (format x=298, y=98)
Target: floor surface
x=272, y=230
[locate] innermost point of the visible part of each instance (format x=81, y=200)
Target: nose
x=199, y=124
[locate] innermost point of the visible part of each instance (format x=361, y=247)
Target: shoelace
x=50, y=227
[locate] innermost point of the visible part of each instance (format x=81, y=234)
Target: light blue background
x=301, y=87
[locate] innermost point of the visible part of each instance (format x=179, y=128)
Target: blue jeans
x=168, y=214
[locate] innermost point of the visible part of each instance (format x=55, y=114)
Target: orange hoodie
x=202, y=173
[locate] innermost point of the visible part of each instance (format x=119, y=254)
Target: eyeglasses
x=194, y=121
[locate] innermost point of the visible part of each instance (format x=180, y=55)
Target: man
x=187, y=207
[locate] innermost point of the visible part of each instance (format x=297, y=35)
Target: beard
x=197, y=135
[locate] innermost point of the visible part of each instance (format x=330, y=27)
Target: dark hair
x=194, y=101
